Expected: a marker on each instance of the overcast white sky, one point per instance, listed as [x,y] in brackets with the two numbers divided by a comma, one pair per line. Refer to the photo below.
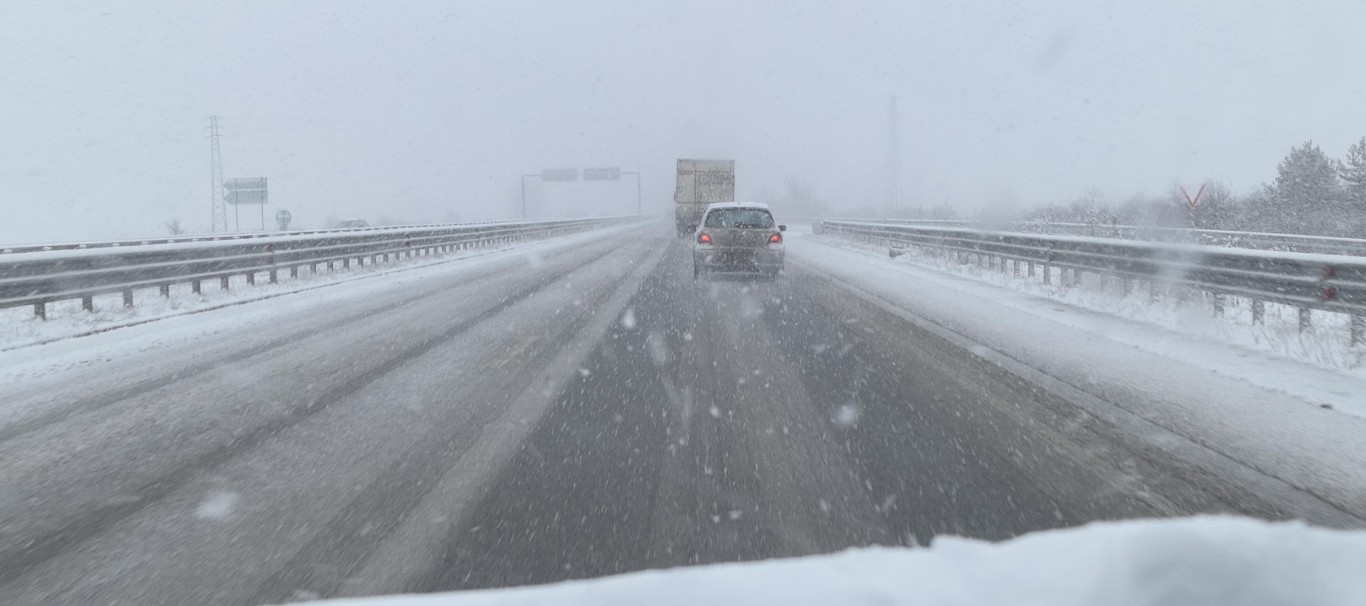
[430,111]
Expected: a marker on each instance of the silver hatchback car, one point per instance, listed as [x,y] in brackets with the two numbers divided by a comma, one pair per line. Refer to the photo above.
[738,237]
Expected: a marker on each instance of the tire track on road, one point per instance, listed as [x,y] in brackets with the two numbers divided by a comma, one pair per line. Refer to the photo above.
[27,426]
[23,554]
[344,544]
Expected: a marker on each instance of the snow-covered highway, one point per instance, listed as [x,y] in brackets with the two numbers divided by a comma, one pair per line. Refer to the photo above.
[582,407]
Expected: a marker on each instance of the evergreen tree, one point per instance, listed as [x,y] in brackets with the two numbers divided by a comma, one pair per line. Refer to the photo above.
[1353,172]
[1307,192]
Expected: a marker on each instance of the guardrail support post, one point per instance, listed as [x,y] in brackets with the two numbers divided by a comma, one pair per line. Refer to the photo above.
[1127,284]
[1258,310]
[166,290]
[40,310]
[293,271]
[1047,274]
[251,278]
[1358,327]
[127,297]
[1305,319]
[195,287]
[346,264]
[1030,266]
[274,276]
[223,282]
[1218,300]
[88,303]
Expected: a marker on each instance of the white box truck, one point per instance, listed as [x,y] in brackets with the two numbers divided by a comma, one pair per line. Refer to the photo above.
[701,182]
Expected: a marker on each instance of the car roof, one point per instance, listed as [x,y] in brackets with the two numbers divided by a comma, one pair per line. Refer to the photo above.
[758,205]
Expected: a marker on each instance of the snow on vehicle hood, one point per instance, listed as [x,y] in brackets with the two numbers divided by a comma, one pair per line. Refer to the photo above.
[1207,561]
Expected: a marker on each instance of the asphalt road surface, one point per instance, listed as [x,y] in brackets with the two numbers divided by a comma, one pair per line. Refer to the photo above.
[542,418]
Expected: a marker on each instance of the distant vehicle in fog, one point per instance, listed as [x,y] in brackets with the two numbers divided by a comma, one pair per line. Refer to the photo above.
[351,223]
[738,237]
[701,182]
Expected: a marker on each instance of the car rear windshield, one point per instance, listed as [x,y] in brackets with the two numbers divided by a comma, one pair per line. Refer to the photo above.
[739,217]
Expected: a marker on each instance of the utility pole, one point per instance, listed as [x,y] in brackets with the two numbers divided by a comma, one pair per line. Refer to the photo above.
[893,159]
[640,210]
[219,208]
[524,178]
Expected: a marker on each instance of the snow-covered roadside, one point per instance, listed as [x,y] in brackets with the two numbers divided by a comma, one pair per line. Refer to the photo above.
[1280,418]
[1208,561]
[1326,343]
[50,361]
[1189,332]
[19,328]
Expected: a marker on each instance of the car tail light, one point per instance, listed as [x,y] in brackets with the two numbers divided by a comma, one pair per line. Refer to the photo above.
[703,239]
[775,239]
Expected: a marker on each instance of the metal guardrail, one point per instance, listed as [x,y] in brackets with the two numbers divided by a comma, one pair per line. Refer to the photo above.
[1209,237]
[39,278]
[25,248]
[1332,283]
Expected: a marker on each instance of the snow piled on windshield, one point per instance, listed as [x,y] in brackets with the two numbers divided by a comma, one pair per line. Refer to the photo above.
[1209,561]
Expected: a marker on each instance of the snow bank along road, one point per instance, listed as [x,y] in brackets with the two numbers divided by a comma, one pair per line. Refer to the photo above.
[570,409]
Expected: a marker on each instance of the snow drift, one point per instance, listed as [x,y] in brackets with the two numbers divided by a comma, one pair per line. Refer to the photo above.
[1207,561]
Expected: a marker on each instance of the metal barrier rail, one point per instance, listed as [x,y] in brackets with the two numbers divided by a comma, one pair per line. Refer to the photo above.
[25,248]
[1332,283]
[39,278]
[1211,237]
